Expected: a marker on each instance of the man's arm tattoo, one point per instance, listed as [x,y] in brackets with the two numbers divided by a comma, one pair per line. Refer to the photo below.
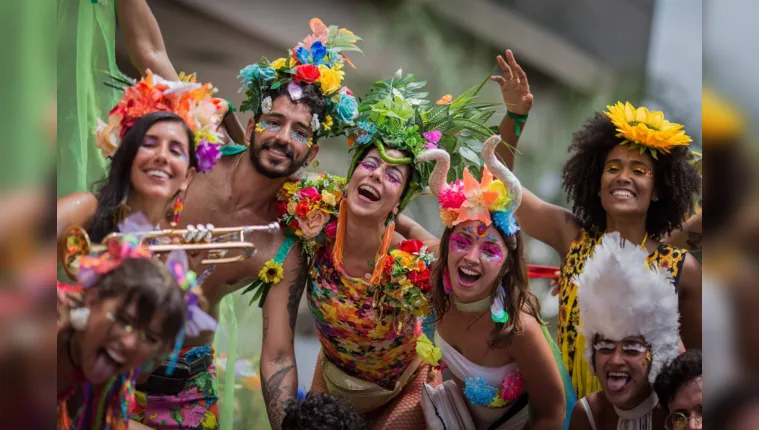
[296,291]
[272,391]
[266,327]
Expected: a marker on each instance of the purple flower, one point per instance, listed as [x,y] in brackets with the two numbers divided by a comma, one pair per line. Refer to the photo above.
[433,136]
[295,90]
[207,154]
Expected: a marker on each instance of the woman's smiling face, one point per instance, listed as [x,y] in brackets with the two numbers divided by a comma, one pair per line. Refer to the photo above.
[476,255]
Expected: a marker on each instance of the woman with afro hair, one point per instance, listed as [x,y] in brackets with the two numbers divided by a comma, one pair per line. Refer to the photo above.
[628,172]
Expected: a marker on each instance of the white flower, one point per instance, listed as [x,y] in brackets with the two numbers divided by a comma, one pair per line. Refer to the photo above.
[315,123]
[266,105]
[107,137]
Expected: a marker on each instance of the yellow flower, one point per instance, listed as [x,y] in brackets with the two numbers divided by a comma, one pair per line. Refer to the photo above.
[208,421]
[498,402]
[277,64]
[327,124]
[330,79]
[329,198]
[207,135]
[338,66]
[272,272]
[293,62]
[259,128]
[646,128]
[346,32]
[503,196]
[291,207]
[427,351]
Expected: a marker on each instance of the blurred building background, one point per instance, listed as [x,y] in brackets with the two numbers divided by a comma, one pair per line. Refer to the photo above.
[579,55]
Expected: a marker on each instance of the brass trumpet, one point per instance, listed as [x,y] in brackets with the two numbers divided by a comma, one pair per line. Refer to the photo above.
[75,243]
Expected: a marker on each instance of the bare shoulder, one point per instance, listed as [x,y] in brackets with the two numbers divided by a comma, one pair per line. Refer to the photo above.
[579,419]
[691,277]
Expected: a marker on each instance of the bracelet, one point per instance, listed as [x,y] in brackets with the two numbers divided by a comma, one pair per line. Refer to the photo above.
[519,120]
[230,110]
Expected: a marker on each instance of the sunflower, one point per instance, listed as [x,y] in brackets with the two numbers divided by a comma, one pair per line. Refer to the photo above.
[272,272]
[646,129]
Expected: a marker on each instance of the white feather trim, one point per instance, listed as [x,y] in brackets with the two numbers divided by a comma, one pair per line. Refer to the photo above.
[620,296]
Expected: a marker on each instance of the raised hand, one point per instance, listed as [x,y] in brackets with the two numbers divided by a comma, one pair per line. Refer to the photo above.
[514,86]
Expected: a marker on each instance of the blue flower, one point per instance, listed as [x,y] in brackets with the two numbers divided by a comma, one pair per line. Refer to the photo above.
[318,52]
[248,74]
[479,392]
[506,222]
[303,55]
[346,109]
[266,75]
[334,57]
[368,129]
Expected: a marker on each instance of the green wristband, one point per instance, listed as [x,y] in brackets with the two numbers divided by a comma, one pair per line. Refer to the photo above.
[230,110]
[519,119]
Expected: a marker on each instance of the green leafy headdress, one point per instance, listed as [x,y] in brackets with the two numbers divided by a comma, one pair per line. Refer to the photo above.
[396,115]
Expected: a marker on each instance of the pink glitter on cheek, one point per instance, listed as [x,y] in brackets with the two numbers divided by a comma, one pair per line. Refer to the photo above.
[459,243]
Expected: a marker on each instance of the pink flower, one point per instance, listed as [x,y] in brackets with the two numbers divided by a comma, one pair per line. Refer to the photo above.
[429,145]
[331,229]
[433,136]
[310,193]
[511,386]
[313,224]
[452,196]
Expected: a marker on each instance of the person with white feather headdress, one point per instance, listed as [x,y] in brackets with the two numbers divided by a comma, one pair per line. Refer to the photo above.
[630,317]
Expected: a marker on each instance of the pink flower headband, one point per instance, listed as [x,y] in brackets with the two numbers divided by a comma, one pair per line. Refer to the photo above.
[487,201]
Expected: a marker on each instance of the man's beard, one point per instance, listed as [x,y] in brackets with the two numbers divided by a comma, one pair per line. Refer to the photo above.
[255,158]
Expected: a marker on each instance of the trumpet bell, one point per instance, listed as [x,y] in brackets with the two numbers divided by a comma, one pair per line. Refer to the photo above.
[74,244]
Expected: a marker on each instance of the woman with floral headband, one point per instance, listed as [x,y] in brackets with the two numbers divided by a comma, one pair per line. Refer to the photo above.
[157,136]
[500,360]
[128,310]
[367,287]
[629,171]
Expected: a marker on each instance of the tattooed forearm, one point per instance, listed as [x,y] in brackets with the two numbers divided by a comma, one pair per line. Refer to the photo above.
[266,327]
[276,393]
[296,291]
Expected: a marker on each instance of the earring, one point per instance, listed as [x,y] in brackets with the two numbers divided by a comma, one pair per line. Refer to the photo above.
[447,287]
[178,206]
[79,318]
[497,310]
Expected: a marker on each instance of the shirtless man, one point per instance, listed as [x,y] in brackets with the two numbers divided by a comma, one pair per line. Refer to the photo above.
[290,117]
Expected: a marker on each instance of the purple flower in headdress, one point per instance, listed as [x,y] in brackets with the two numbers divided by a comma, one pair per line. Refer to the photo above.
[197,320]
[432,137]
[207,154]
[295,90]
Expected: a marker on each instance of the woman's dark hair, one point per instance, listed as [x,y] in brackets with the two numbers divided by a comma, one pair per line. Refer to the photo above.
[110,191]
[731,403]
[514,279]
[312,97]
[676,181]
[322,411]
[676,373]
[149,284]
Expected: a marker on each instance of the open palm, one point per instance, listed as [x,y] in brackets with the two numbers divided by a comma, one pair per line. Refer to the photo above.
[514,86]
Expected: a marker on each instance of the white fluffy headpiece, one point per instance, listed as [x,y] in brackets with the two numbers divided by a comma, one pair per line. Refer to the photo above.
[621,296]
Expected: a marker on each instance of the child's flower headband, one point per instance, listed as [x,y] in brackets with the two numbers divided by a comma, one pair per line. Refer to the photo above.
[488,201]
[190,100]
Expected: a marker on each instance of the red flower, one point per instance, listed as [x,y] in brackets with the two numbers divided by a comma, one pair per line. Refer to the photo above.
[411,246]
[421,280]
[331,229]
[307,73]
[281,208]
[302,209]
[388,269]
[294,224]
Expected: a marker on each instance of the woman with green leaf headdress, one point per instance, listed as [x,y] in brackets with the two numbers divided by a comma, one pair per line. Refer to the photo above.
[368,286]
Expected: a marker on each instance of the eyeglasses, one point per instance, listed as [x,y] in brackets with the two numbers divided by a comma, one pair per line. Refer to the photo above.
[126,325]
[680,421]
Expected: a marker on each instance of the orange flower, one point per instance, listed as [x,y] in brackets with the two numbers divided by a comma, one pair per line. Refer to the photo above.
[445,100]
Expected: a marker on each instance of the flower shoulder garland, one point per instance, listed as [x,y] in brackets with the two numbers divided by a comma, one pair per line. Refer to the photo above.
[307,207]
[646,130]
[188,99]
[405,283]
[319,60]
[396,115]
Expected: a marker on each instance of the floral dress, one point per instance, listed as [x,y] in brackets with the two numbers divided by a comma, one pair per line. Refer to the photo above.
[360,339]
[570,340]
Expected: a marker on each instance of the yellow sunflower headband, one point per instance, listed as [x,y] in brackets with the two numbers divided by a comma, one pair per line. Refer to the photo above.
[646,130]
